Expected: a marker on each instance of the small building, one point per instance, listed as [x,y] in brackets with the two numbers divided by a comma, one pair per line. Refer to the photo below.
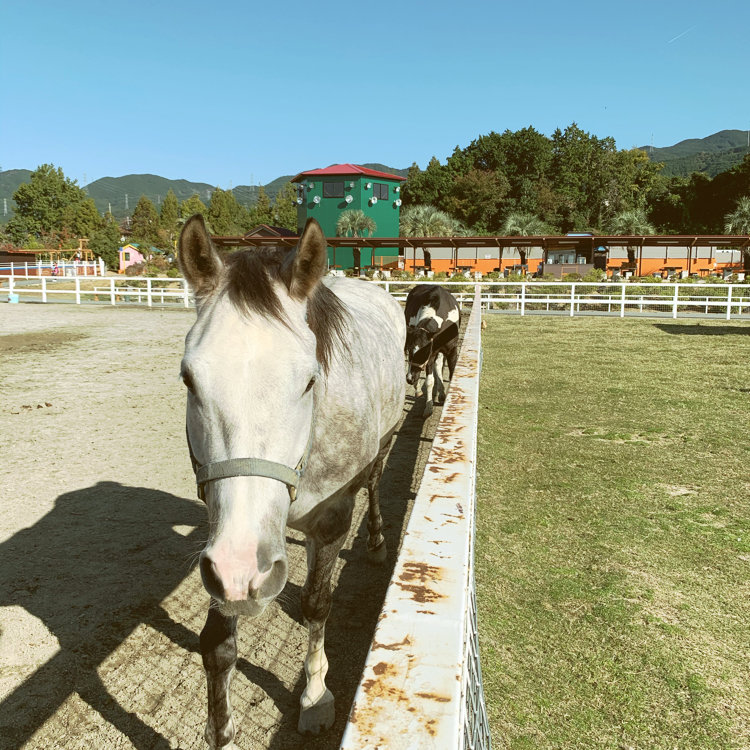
[325,193]
[129,256]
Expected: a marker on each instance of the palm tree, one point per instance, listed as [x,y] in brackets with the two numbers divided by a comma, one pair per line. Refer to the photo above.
[631,222]
[738,222]
[354,223]
[427,221]
[522,224]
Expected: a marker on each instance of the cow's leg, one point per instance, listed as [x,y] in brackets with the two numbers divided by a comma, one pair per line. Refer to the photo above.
[317,711]
[452,357]
[429,384]
[376,548]
[219,652]
[439,386]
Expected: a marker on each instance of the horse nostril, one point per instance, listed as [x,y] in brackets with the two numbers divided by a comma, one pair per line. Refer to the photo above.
[211,581]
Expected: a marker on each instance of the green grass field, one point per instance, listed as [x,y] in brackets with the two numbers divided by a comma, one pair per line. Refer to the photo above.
[613,533]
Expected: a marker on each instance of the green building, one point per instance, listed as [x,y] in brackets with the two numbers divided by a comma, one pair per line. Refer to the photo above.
[324,194]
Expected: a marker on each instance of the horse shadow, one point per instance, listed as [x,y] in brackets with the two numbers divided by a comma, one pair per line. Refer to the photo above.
[111,538]
[358,596]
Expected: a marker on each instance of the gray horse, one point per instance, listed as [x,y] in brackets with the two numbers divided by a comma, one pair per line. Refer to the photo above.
[295,385]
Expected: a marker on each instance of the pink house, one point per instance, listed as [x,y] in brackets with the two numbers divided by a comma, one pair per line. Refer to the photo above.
[129,255]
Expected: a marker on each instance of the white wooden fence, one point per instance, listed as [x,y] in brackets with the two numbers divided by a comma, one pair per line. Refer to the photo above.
[422,683]
[63,268]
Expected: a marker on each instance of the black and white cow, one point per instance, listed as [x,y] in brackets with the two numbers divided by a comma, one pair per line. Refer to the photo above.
[432,317]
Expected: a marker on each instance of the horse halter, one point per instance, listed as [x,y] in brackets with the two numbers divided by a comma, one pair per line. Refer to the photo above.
[251,467]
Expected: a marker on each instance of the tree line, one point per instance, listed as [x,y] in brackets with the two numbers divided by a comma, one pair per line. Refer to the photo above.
[53,212]
[571,182]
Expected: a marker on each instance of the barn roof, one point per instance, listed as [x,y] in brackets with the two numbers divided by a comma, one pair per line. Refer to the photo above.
[347,169]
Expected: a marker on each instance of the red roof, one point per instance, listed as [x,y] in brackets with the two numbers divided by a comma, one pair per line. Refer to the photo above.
[347,169]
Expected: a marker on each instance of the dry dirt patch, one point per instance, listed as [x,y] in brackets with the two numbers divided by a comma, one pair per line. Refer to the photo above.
[100,603]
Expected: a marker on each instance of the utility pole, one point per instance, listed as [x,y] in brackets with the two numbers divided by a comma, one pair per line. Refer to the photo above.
[126,201]
[5,206]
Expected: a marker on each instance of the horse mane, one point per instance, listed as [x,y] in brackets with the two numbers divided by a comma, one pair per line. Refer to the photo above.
[250,283]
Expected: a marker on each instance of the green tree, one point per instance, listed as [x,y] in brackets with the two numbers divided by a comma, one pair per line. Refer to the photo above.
[224,213]
[584,172]
[428,187]
[105,242]
[738,222]
[631,222]
[169,216]
[523,224]
[84,219]
[191,206]
[45,206]
[476,199]
[144,225]
[428,221]
[285,207]
[355,223]
[261,212]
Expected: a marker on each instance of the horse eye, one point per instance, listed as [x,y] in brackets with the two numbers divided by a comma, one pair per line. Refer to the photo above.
[310,385]
[188,381]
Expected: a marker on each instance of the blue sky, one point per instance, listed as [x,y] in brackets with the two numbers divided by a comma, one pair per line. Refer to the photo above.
[233,93]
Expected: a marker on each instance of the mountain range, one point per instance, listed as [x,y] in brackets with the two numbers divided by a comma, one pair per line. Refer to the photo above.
[121,194]
[711,155]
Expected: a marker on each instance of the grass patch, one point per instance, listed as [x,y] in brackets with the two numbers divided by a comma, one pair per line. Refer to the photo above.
[613,535]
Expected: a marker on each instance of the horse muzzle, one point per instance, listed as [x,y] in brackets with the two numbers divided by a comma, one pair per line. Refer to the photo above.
[242,583]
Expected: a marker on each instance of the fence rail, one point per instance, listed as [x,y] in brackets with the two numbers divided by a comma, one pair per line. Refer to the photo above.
[422,683]
[728,301]
[111,290]
[607,298]
[48,268]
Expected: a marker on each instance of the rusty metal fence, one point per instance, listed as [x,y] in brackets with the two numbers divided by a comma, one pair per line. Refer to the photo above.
[422,683]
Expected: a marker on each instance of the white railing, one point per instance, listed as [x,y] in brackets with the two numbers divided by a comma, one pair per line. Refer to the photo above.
[111,290]
[46,268]
[668,299]
[621,299]
[422,684]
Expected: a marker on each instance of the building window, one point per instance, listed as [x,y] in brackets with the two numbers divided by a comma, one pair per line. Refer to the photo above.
[333,189]
[380,191]
[127,257]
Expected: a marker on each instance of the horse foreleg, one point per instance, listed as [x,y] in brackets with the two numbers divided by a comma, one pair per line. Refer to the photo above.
[376,549]
[219,652]
[317,710]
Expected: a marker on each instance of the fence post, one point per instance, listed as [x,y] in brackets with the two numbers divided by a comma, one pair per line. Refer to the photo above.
[729,302]
[44,288]
[148,292]
[10,287]
[523,299]
[572,300]
[622,300]
[26,269]
[112,291]
[185,293]
[78,290]
[675,300]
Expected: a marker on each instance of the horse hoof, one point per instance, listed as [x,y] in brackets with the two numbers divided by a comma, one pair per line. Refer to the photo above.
[378,555]
[319,717]
[427,411]
[213,741]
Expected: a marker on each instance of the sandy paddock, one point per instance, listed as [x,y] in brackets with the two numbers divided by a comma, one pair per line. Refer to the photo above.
[100,602]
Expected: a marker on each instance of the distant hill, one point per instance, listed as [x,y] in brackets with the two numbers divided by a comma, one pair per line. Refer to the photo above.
[121,194]
[711,155]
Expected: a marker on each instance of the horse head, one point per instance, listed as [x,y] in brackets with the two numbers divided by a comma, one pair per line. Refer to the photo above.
[250,367]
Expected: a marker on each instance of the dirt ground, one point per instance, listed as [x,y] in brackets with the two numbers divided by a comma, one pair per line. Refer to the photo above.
[100,600]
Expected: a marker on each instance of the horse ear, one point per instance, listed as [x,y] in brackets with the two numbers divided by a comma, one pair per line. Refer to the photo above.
[305,267]
[198,260]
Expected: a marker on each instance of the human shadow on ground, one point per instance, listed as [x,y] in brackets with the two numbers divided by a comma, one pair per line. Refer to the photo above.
[702,330]
[108,538]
